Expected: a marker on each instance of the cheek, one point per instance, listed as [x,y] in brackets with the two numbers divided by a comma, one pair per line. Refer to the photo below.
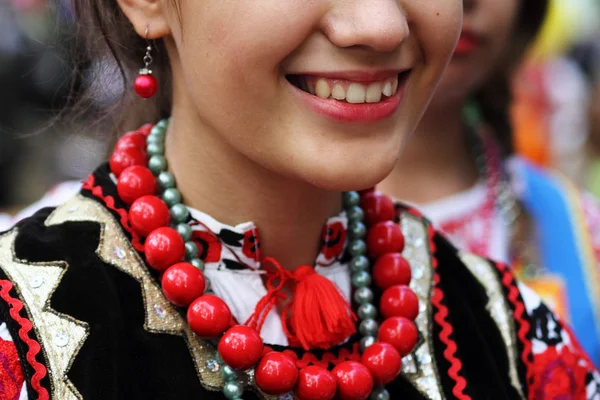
[436,25]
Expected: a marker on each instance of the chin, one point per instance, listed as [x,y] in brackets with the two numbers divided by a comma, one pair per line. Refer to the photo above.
[351,173]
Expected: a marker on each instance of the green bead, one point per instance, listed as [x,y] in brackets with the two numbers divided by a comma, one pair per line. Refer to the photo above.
[171,196]
[379,394]
[367,342]
[219,359]
[233,390]
[166,180]
[229,374]
[357,248]
[158,131]
[361,279]
[367,311]
[163,123]
[359,263]
[368,327]
[198,263]
[355,214]
[208,285]
[154,149]
[157,164]
[179,213]
[351,199]
[357,230]
[184,230]
[191,250]
[155,138]
[363,295]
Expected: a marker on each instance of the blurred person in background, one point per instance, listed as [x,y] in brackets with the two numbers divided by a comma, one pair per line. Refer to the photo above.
[460,169]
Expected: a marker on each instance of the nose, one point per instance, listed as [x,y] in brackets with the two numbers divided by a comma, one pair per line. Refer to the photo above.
[378,25]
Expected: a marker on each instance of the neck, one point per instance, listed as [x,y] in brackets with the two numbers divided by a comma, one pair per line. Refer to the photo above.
[218,180]
[436,161]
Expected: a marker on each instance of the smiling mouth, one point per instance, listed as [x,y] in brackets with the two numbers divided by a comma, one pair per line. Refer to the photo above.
[347,91]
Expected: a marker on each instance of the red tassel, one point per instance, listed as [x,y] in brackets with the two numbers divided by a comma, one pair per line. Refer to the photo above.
[320,316]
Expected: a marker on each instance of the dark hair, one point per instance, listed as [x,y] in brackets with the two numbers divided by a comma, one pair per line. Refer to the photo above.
[106,40]
[495,97]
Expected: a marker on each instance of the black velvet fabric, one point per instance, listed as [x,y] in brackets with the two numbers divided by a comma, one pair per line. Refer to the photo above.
[121,360]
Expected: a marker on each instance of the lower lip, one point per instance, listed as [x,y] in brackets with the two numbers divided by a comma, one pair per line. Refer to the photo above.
[353,113]
[465,46]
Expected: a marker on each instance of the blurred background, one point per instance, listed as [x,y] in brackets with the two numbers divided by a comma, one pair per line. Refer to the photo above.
[556,112]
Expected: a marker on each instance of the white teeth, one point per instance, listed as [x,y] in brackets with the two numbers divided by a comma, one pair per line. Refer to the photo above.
[387,89]
[322,89]
[373,93]
[338,92]
[351,92]
[356,93]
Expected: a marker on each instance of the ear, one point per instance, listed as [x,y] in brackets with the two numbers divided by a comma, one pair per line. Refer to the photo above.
[148,17]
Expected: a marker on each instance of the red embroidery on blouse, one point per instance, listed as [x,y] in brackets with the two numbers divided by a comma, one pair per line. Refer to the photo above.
[209,245]
[11,374]
[514,297]
[447,329]
[34,347]
[558,375]
[251,246]
[333,239]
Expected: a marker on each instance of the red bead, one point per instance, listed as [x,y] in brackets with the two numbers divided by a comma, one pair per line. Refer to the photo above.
[241,347]
[135,182]
[127,157]
[182,283]
[391,269]
[145,85]
[384,362]
[163,248]
[365,191]
[378,208]
[146,129]
[399,301]
[315,383]
[384,237]
[208,316]
[401,333]
[354,381]
[276,373]
[131,139]
[148,213]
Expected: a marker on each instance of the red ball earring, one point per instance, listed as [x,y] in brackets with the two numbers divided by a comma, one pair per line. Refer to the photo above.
[146,85]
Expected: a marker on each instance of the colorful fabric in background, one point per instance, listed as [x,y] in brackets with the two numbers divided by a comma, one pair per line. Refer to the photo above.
[536,99]
[568,233]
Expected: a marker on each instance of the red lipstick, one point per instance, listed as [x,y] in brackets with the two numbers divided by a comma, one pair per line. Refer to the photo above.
[343,111]
[467,44]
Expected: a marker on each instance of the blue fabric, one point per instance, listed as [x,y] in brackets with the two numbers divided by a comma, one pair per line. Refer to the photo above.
[547,201]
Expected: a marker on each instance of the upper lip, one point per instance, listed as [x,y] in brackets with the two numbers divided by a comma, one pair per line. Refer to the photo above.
[357,76]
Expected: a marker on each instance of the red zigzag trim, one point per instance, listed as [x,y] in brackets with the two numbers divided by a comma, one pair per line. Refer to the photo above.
[34,347]
[88,184]
[447,329]
[509,283]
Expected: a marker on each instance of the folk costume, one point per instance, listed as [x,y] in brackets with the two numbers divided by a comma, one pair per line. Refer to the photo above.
[97,302]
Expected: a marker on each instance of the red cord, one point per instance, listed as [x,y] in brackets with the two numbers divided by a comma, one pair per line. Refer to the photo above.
[447,329]
[34,347]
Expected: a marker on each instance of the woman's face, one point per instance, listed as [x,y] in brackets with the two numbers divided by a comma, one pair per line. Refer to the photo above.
[488,27]
[324,91]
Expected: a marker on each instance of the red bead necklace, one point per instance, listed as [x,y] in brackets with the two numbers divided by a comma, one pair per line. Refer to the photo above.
[139,165]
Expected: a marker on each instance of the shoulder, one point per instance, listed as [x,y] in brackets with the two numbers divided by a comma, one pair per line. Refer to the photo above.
[47,263]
